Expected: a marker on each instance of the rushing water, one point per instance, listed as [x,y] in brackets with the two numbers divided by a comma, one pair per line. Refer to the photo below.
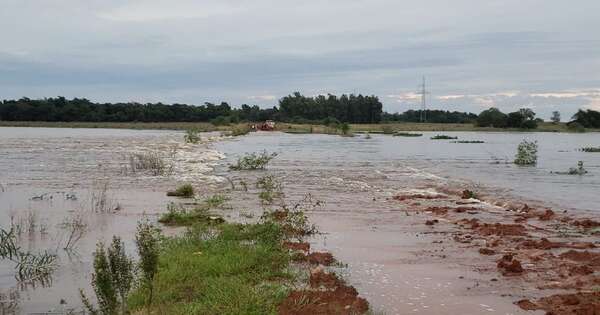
[39,167]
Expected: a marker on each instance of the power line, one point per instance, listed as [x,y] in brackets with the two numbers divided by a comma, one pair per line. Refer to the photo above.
[423,91]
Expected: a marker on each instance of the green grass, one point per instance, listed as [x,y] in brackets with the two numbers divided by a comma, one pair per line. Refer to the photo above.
[242,270]
[468,141]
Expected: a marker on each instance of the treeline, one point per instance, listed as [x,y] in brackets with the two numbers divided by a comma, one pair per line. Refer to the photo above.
[293,108]
[432,116]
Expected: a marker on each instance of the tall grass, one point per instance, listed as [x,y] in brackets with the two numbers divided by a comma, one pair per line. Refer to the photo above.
[253,161]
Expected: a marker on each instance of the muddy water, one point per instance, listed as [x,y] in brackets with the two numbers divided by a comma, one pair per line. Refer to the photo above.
[52,175]
[401,266]
[391,257]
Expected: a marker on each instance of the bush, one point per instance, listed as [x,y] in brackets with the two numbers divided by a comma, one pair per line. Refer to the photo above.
[253,161]
[526,153]
[184,191]
[147,241]
[590,149]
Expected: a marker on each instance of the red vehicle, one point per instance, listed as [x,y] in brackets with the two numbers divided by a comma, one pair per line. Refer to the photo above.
[268,125]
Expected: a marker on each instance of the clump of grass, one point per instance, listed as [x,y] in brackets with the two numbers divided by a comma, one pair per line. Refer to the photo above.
[192,136]
[231,272]
[253,161]
[215,201]
[178,215]
[293,219]
[407,134]
[76,227]
[443,137]
[526,153]
[100,199]
[590,149]
[184,191]
[468,141]
[468,194]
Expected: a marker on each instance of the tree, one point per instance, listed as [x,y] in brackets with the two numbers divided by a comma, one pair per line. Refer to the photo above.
[492,117]
[555,118]
[524,118]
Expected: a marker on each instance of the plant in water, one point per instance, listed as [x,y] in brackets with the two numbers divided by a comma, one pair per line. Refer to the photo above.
[443,137]
[590,149]
[100,200]
[579,170]
[112,279]
[76,227]
[184,191]
[147,240]
[153,162]
[192,136]
[253,161]
[28,266]
[526,153]
[468,141]
[345,129]
[407,134]
[270,187]
[468,194]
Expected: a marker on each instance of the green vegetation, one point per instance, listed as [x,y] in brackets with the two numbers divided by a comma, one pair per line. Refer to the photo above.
[579,170]
[152,162]
[112,279]
[587,118]
[192,136]
[28,266]
[178,215]
[433,116]
[184,191]
[253,161]
[407,134]
[147,240]
[522,119]
[590,149]
[526,153]
[443,137]
[271,188]
[468,141]
[228,269]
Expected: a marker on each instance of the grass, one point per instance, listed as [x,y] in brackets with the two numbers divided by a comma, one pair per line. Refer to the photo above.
[178,215]
[238,269]
[184,191]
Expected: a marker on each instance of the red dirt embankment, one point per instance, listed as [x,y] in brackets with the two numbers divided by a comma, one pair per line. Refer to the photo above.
[547,248]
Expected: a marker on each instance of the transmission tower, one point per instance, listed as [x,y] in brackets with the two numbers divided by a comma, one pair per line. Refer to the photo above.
[423,91]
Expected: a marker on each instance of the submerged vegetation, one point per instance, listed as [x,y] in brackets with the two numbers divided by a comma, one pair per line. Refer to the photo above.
[443,137]
[253,161]
[183,191]
[153,162]
[526,153]
[270,187]
[590,149]
[468,141]
[407,134]
[192,136]
[29,267]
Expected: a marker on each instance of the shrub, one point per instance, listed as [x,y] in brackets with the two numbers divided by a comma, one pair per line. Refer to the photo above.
[180,216]
[468,141]
[579,170]
[184,191]
[253,161]
[526,153]
[271,189]
[112,279]
[147,241]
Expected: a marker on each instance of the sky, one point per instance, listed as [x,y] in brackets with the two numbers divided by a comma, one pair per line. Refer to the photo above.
[541,54]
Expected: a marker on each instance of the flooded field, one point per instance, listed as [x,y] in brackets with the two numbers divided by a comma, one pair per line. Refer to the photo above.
[50,175]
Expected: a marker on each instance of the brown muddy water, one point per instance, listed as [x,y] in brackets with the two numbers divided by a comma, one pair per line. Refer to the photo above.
[395,261]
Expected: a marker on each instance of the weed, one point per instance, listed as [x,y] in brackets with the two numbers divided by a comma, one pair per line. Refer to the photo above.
[28,266]
[76,228]
[253,161]
[100,200]
[184,191]
[526,153]
[468,194]
[215,201]
[468,141]
[178,215]
[192,136]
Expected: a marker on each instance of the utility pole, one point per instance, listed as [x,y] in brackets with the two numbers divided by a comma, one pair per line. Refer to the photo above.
[423,91]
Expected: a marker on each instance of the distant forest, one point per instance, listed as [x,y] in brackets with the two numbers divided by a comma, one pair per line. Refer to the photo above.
[294,108]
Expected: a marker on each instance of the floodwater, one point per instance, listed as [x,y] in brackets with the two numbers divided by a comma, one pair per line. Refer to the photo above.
[41,168]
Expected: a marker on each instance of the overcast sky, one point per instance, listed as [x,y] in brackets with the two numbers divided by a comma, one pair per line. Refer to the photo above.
[542,54]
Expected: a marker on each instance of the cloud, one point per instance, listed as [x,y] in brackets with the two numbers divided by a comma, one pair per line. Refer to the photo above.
[262,97]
